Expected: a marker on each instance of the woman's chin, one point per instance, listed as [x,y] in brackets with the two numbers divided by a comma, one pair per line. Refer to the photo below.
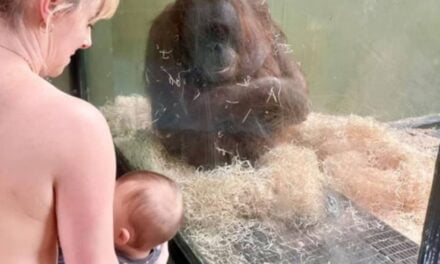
[57,71]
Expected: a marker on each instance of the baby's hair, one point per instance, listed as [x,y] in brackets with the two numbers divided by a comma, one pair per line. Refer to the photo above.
[149,210]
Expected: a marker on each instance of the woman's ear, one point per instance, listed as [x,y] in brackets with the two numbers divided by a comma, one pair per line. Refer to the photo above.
[45,9]
[122,237]
[48,8]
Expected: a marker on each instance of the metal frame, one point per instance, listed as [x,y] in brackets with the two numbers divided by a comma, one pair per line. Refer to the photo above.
[78,74]
[430,247]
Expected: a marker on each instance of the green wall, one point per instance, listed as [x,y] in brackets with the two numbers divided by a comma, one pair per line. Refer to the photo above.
[369,57]
[63,82]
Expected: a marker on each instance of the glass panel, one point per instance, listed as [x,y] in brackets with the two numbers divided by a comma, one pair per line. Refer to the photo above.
[222,110]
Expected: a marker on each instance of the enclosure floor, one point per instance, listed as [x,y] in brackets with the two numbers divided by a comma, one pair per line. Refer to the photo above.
[347,235]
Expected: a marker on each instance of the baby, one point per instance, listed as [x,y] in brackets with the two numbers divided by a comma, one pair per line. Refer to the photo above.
[148,211]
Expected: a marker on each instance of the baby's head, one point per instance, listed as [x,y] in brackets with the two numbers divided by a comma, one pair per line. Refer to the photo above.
[148,211]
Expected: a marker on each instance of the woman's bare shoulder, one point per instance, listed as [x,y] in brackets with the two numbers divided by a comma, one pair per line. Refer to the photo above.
[78,112]
[30,93]
[67,121]
[84,137]
[71,111]
[63,130]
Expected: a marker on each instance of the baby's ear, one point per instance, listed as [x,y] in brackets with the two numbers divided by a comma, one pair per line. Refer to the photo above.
[123,237]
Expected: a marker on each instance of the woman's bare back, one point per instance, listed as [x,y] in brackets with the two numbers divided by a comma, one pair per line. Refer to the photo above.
[43,133]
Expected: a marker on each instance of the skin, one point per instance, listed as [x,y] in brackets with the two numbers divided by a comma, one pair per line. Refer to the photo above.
[123,230]
[56,150]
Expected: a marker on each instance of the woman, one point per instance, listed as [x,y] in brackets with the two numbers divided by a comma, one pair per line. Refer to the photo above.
[57,164]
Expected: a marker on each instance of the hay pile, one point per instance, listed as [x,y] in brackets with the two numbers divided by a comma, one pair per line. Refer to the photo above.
[384,170]
[127,115]
[225,205]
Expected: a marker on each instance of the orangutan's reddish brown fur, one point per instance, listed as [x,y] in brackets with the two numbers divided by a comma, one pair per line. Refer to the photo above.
[221,82]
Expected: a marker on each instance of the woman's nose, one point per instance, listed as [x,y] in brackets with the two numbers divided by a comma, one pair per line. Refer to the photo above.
[87,43]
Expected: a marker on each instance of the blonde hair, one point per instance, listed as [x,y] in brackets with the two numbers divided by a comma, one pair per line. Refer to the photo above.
[154,217]
[108,9]
[14,10]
